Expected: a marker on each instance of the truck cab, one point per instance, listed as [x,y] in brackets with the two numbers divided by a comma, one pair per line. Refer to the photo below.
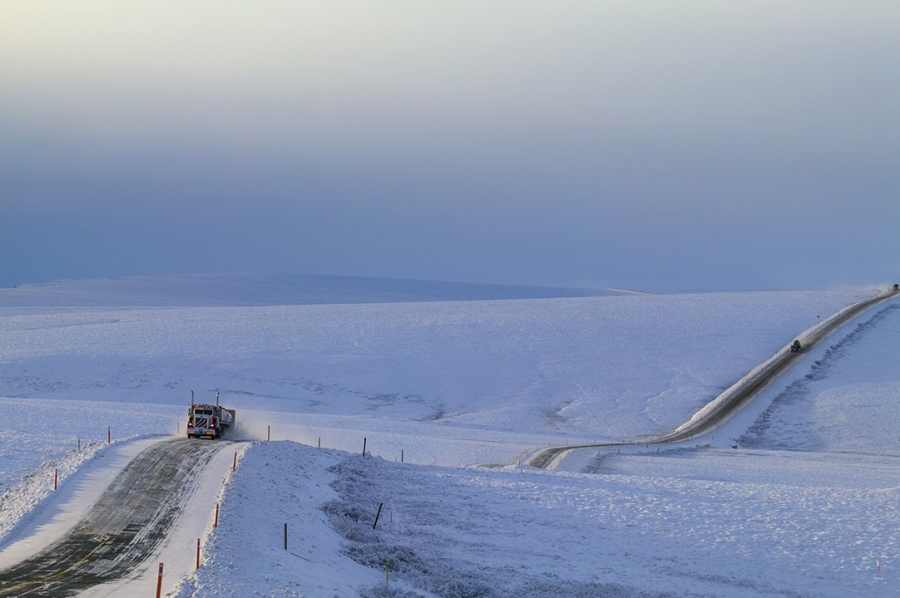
[203,422]
[208,421]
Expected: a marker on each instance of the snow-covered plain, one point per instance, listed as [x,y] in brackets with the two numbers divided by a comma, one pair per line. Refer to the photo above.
[449,377]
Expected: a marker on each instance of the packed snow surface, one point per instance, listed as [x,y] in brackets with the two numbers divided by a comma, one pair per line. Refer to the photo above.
[795,496]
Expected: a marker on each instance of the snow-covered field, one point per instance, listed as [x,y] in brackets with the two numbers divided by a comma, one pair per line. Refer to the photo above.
[450,377]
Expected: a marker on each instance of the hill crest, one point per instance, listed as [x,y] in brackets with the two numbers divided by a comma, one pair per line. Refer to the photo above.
[222,290]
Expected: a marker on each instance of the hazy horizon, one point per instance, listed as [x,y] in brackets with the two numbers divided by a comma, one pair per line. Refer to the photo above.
[677,145]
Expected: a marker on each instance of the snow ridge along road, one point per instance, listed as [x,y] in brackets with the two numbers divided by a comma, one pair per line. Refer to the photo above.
[123,528]
[729,402]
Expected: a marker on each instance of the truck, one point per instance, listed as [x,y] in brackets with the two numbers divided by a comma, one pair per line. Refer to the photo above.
[207,420]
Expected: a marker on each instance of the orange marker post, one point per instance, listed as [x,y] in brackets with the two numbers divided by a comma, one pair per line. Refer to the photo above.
[159,581]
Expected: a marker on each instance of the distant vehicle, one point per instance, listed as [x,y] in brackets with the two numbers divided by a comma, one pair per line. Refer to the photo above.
[208,421]
[796,347]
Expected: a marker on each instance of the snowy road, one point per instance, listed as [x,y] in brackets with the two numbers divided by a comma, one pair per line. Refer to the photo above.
[736,397]
[124,527]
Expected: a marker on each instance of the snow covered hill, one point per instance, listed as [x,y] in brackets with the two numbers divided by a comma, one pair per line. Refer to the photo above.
[440,377]
[267,289]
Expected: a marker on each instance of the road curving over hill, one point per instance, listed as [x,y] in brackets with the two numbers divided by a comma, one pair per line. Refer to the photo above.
[729,402]
[123,529]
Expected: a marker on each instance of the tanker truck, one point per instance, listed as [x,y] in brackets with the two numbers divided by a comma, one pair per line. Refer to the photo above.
[208,421]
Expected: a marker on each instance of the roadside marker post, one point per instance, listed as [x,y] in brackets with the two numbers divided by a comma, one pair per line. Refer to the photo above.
[108,435]
[159,581]
[198,553]
[55,479]
[216,522]
[234,464]
[378,514]
[364,446]
[269,433]
[285,536]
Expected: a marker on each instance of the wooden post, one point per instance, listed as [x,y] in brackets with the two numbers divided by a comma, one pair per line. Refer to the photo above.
[159,581]
[55,479]
[387,571]
[234,465]
[216,522]
[377,515]
[364,447]
[198,553]
[285,536]
[108,435]
[269,433]
[401,455]
[320,442]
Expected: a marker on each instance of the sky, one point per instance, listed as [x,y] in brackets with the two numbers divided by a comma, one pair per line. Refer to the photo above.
[647,145]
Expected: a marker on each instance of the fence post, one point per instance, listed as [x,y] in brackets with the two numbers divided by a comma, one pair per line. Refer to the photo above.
[198,553]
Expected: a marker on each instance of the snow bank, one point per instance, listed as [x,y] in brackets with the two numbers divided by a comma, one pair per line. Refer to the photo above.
[277,484]
[683,524]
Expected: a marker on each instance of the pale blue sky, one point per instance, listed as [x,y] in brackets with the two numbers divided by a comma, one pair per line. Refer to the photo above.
[679,144]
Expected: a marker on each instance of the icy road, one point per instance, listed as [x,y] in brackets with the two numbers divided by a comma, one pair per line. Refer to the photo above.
[123,528]
[735,397]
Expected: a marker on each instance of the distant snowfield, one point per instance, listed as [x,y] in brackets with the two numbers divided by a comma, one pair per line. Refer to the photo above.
[442,377]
